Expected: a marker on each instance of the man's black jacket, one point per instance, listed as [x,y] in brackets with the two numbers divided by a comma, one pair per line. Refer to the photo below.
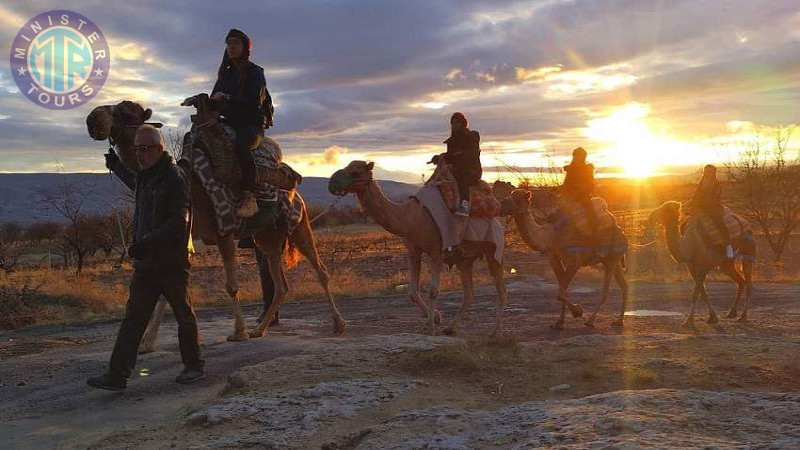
[161,217]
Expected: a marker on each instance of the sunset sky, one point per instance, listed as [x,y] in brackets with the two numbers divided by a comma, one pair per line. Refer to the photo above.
[645,86]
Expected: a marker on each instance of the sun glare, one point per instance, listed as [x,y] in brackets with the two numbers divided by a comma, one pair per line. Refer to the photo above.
[629,143]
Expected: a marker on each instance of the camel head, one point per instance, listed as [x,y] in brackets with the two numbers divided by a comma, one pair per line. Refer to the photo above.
[502,190]
[666,214]
[118,123]
[517,202]
[351,179]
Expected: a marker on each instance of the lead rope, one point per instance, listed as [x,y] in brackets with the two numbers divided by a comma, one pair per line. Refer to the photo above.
[116,211]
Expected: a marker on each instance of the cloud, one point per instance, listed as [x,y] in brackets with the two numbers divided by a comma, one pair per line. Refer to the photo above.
[382,78]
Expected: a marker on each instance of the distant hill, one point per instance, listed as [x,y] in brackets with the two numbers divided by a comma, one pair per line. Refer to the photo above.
[21,194]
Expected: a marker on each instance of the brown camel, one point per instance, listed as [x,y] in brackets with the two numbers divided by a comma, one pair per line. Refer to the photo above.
[118,123]
[565,265]
[692,249]
[411,221]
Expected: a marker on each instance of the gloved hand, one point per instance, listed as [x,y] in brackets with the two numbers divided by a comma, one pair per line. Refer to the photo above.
[137,251]
[111,159]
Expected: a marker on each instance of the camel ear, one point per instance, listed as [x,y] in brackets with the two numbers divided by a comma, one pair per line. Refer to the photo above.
[528,195]
[147,113]
[370,166]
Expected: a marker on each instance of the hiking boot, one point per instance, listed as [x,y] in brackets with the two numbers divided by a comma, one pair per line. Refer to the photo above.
[190,375]
[249,206]
[463,209]
[108,383]
[729,251]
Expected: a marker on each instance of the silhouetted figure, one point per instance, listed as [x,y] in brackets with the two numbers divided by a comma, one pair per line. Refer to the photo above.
[707,199]
[579,185]
[464,155]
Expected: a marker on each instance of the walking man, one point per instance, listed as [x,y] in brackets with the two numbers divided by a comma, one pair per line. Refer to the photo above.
[160,259]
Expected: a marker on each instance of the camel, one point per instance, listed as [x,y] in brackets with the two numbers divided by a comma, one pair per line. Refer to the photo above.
[410,221]
[688,246]
[118,123]
[565,264]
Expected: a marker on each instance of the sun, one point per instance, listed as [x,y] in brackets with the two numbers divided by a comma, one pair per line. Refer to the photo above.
[628,141]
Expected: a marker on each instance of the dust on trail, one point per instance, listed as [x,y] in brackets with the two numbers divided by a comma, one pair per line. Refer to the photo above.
[651,383]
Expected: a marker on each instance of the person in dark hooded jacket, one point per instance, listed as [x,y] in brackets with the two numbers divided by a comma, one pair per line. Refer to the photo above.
[245,104]
[707,198]
[464,154]
[579,185]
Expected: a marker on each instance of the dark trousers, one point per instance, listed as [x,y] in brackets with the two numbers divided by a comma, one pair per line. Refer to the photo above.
[145,289]
[246,138]
[466,178]
[267,286]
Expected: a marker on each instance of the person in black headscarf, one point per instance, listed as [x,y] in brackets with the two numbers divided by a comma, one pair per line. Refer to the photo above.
[241,95]
[707,199]
[579,184]
[464,154]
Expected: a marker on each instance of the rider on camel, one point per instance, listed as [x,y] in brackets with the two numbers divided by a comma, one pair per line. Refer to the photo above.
[241,95]
[707,198]
[579,184]
[464,154]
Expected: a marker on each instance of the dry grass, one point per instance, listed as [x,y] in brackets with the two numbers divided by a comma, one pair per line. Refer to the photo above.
[363,260]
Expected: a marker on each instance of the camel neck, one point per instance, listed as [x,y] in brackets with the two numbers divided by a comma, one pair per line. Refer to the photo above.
[673,237]
[394,217]
[533,234]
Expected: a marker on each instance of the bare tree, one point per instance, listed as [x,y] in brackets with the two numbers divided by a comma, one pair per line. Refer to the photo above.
[12,246]
[78,237]
[766,186]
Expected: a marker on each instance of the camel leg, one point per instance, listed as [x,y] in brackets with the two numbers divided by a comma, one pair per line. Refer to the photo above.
[148,344]
[496,269]
[304,239]
[603,296]
[712,315]
[619,275]
[227,249]
[436,264]
[747,269]
[275,260]
[465,268]
[689,322]
[414,271]
[558,271]
[731,271]
[563,296]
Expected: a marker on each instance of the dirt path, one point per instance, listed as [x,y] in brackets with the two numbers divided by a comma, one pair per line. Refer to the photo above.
[381,387]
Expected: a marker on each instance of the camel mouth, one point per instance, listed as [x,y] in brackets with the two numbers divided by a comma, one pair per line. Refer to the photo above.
[340,182]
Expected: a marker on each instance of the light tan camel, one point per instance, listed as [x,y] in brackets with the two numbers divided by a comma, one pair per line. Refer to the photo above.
[410,221]
[119,123]
[692,249]
[565,265]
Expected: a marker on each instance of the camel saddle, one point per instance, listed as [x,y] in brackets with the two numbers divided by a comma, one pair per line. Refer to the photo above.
[736,226]
[573,213]
[483,204]
[217,140]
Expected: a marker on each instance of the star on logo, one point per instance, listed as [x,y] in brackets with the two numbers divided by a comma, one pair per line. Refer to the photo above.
[98,72]
[21,71]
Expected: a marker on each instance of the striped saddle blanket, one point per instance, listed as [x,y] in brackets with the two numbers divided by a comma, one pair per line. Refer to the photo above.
[226,200]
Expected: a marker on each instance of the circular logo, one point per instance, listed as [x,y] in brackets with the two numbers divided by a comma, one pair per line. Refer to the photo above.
[60,59]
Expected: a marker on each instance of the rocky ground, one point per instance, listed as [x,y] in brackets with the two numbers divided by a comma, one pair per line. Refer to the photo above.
[652,383]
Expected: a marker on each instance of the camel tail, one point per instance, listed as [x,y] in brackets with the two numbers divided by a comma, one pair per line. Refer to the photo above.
[291,255]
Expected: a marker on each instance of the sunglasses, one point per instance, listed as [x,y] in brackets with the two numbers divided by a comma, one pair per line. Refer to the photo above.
[143,148]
